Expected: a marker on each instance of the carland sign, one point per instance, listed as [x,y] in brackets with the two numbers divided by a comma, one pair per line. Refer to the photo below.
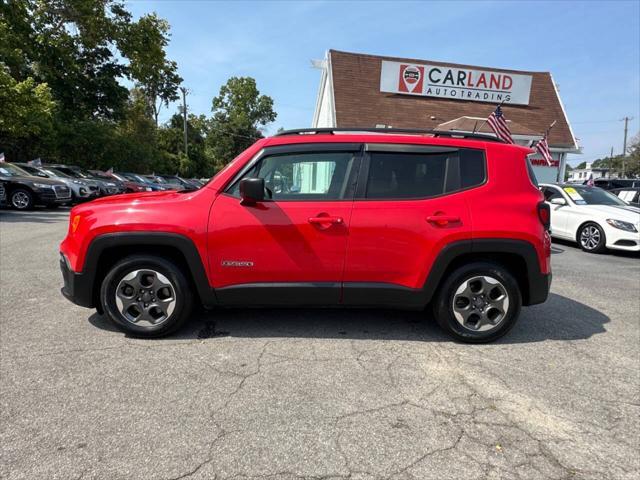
[455,83]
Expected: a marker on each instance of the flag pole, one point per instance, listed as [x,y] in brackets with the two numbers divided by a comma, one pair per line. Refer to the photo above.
[485,120]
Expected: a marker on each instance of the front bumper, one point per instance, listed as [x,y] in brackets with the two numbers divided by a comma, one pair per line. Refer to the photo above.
[76,288]
[50,196]
[622,240]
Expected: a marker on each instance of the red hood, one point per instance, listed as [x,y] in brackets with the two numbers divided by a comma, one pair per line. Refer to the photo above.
[139,196]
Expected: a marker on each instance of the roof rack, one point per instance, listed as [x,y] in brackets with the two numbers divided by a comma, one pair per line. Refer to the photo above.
[411,131]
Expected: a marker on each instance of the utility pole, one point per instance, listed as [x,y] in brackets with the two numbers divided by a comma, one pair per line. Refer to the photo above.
[610,163]
[184,119]
[624,148]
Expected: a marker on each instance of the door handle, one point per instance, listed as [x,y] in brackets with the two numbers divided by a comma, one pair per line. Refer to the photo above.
[442,220]
[327,219]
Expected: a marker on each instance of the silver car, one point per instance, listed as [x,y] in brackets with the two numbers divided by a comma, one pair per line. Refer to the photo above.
[80,189]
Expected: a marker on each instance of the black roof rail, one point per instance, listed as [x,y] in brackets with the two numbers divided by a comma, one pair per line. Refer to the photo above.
[411,131]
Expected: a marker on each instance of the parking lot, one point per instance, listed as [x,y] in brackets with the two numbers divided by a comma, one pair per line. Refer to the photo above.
[316,394]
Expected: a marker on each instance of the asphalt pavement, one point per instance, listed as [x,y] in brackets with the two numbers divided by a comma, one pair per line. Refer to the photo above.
[316,394]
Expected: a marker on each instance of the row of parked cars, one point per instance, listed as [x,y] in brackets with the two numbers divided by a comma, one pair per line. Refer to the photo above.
[22,186]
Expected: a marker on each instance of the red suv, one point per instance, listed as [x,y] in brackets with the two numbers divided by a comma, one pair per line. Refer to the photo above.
[325,217]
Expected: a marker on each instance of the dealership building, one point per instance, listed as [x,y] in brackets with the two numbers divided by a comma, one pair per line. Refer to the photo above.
[358,90]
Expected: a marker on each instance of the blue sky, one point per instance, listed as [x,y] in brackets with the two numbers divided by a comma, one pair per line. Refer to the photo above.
[591,48]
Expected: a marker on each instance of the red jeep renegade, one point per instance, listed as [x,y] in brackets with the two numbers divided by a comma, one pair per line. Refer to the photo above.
[325,217]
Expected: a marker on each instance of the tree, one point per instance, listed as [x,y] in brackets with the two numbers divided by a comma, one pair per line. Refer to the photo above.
[27,112]
[238,113]
[632,162]
[144,44]
[171,140]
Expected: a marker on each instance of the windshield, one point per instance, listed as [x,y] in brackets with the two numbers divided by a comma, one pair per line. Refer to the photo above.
[83,173]
[135,178]
[119,176]
[32,170]
[68,172]
[592,196]
[8,170]
[55,173]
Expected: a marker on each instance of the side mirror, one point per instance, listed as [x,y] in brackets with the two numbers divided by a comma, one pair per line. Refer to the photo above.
[558,201]
[251,190]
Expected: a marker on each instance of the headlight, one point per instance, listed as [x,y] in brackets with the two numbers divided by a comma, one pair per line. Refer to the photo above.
[109,184]
[79,182]
[629,227]
[42,185]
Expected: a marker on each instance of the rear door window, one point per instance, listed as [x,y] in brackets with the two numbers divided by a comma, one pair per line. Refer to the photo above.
[409,175]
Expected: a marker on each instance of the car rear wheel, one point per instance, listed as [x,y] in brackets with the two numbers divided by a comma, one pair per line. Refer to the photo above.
[478,303]
[21,199]
[591,238]
[146,296]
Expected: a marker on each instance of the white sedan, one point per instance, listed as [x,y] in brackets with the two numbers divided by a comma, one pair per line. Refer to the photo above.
[592,217]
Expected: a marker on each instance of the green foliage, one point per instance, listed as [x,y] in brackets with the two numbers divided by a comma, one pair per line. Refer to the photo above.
[144,44]
[238,112]
[27,107]
[61,67]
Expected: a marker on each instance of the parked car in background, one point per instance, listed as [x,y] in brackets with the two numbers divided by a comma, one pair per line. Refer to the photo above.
[158,180]
[372,220]
[108,186]
[179,182]
[196,181]
[75,172]
[80,189]
[592,217]
[129,186]
[142,180]
[170,180]
[3,194]
[613,183]
[23,191]
[629,195]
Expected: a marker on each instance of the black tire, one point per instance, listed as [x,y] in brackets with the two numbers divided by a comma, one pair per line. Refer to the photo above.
[443,304]
[21,199]
[182,293]
[591,231]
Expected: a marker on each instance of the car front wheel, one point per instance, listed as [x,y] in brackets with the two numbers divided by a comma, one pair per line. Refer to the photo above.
[591,238]
[146,296]
[478,303]
[21,199]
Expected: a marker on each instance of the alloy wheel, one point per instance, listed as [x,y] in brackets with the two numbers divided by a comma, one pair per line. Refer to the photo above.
[590,237]
[20,200]
[480,303]
[145,297]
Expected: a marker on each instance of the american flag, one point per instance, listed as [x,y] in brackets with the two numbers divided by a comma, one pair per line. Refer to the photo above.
[590,181]
[499,125]
[542,147]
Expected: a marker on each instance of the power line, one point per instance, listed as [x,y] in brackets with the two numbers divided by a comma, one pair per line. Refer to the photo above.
[595,121]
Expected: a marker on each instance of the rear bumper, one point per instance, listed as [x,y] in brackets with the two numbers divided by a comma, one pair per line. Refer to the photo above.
[539,286]
[77,288]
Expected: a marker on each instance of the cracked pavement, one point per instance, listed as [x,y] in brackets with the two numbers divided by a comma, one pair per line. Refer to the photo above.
[316,394]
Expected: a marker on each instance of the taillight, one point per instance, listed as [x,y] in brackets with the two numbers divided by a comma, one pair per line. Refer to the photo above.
[544,214]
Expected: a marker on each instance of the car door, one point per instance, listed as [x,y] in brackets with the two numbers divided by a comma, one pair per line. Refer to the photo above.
[559,213]
[290,248]
[410,204]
